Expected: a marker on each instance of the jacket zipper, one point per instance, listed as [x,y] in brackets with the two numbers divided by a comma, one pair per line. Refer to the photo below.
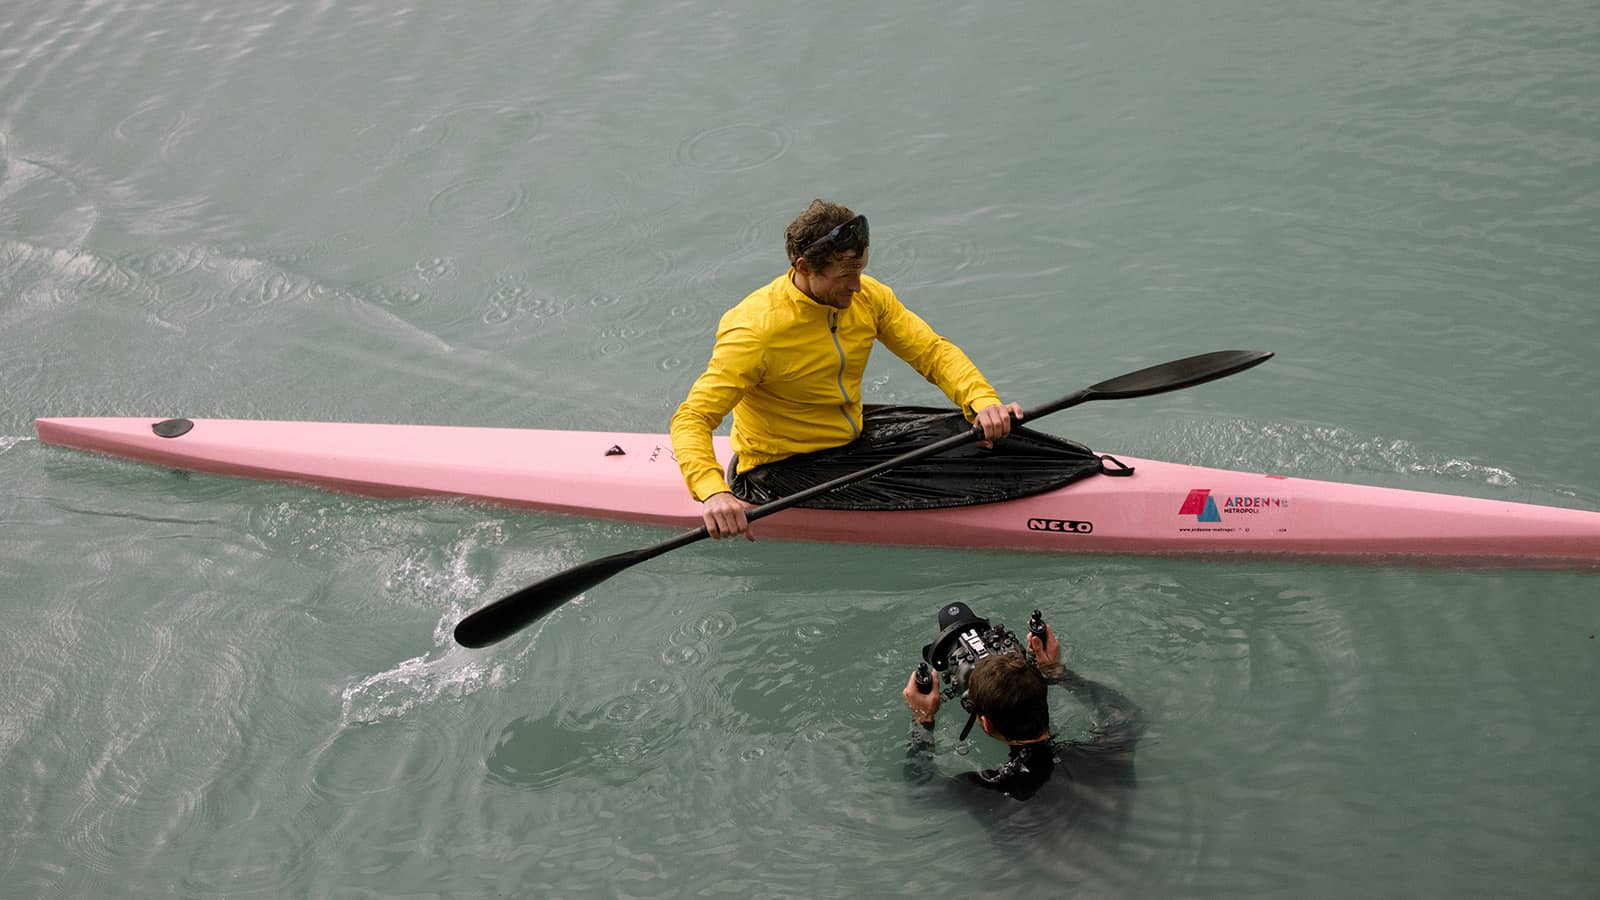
[844,408]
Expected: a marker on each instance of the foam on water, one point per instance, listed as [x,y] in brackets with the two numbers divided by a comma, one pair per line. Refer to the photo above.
[1311,451]
[451,672]
[420,680]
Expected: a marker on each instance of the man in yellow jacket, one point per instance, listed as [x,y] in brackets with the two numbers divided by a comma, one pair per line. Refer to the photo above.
[788,362]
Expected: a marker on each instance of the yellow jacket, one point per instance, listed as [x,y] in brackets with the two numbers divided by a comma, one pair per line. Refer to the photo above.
[789,368]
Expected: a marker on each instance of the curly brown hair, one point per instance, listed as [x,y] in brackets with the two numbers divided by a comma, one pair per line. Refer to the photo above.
[816,220]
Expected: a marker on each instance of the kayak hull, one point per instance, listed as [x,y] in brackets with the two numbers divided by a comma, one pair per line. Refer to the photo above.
[1162,508]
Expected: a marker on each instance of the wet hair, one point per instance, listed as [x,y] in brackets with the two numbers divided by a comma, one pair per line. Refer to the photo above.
[1011,693]
[813,222]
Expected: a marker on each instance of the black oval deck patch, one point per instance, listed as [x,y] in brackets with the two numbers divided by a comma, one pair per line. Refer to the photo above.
[171,428]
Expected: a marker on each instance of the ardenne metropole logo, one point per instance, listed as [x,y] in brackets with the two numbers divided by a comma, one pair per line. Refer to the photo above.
[1203,506]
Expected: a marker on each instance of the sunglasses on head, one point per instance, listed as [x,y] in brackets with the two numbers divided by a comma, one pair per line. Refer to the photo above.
[845,237]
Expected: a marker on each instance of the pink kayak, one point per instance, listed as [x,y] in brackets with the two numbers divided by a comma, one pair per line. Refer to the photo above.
[1163,508]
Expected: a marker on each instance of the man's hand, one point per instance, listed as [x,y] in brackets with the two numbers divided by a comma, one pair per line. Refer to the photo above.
[923,706]
[1046,653]
[996,421]
[723,514]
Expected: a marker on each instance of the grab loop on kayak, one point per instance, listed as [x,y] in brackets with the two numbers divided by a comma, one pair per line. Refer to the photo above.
[1122,468]
[616,450]
[171,428]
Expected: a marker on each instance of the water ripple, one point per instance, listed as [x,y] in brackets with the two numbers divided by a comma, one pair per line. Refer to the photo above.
[499,124]
[145,790]
[476,202]
[257,857]
[513,300]
[923,257]
[615,729]
[43,202]
[733,148]
[154,122]
[377,757]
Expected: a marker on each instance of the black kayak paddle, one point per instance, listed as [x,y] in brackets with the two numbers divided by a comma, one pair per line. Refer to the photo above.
[510,614]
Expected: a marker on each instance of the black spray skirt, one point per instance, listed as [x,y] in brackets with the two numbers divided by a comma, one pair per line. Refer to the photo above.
[1025,463]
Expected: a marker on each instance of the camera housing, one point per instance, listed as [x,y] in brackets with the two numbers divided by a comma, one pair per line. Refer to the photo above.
[966,638]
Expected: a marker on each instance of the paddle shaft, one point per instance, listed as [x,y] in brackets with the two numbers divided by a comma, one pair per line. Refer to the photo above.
[510,614]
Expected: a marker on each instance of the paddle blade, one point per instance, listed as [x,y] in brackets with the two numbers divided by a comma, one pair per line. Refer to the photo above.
[514,612]
[1180,373]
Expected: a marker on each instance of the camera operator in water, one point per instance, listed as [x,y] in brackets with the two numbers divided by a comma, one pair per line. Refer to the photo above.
[1005,690]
